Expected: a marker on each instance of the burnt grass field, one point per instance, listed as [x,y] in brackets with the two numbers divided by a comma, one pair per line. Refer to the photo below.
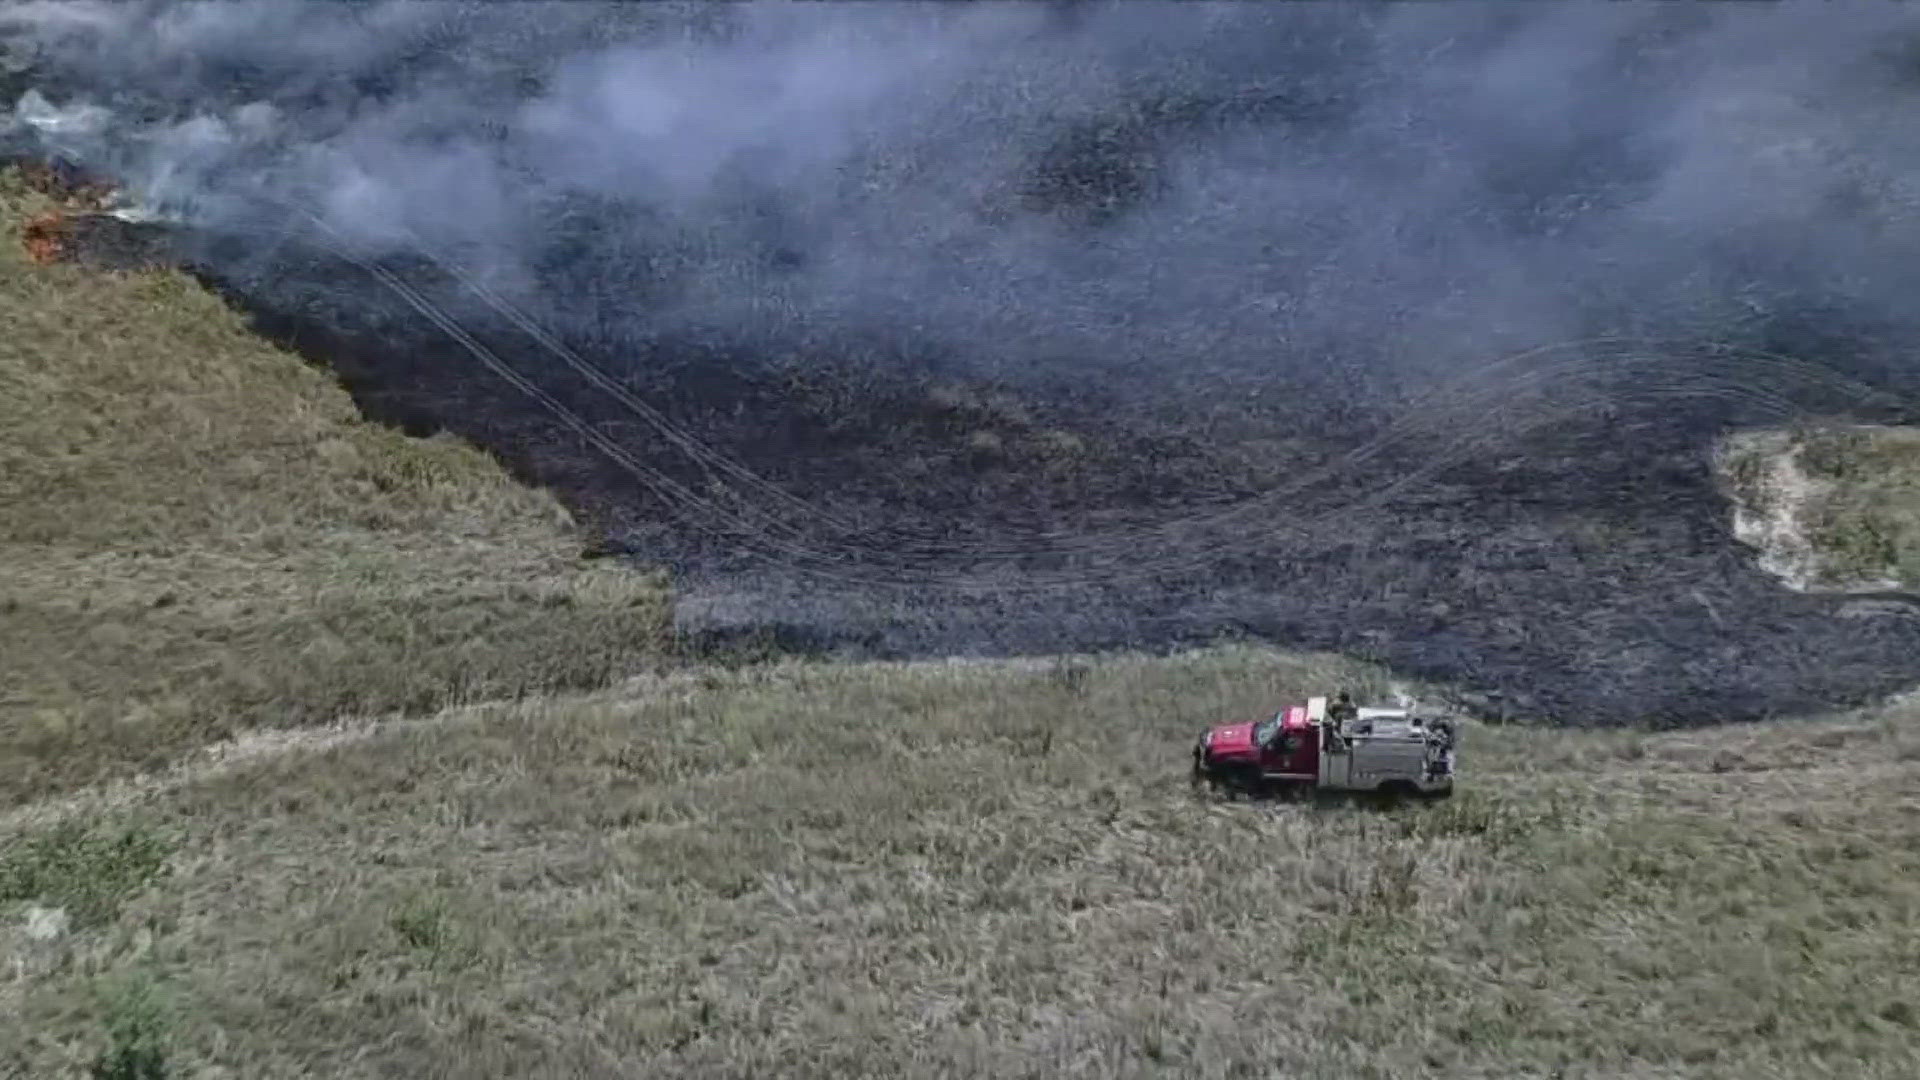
[1102,327]
[1551,540]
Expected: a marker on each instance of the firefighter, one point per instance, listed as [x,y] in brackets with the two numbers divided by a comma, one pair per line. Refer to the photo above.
[1342,710]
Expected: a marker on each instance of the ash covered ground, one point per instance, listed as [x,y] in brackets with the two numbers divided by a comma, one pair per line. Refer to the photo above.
[985,329]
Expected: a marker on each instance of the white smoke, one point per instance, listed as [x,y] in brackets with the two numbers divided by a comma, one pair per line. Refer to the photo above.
[1409,184]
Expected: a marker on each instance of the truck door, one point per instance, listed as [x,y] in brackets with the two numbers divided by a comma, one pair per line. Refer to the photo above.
[1293,752]
[1336,759]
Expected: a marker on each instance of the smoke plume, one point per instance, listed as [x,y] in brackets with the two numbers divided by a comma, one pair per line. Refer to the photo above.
[1194,209]
[1132,189]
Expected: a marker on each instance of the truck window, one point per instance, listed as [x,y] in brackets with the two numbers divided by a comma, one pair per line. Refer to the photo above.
[1263,731]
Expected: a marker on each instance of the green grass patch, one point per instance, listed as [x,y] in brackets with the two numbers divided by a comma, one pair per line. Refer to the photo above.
[139,1032]
[86,869]
[1839,504]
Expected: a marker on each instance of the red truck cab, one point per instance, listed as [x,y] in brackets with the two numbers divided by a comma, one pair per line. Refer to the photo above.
[1285,747]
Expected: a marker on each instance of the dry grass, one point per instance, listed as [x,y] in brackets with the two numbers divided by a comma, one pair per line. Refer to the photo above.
[998,870]
[201,535]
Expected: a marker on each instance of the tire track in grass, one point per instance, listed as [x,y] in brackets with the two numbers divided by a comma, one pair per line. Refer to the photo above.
[252,747]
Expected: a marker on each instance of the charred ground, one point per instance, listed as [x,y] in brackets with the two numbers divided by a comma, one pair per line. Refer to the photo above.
[1570,558]
[1122,330]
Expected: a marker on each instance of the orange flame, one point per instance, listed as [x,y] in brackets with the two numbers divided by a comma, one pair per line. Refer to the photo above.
[45,237]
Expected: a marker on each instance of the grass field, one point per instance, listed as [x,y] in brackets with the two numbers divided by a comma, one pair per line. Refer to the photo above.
[979,870]
[201,536]
[388,836]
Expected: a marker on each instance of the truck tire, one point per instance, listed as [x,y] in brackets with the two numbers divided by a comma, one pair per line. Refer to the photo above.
[1243,781]
[1396,791]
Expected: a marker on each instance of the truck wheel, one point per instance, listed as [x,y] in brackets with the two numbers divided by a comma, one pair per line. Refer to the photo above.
[1394,792]
[1244,781]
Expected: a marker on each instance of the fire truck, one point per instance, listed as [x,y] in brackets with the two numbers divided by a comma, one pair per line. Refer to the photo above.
[1391,751]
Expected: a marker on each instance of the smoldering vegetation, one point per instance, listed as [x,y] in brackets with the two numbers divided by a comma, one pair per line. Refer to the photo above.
[1401,331]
